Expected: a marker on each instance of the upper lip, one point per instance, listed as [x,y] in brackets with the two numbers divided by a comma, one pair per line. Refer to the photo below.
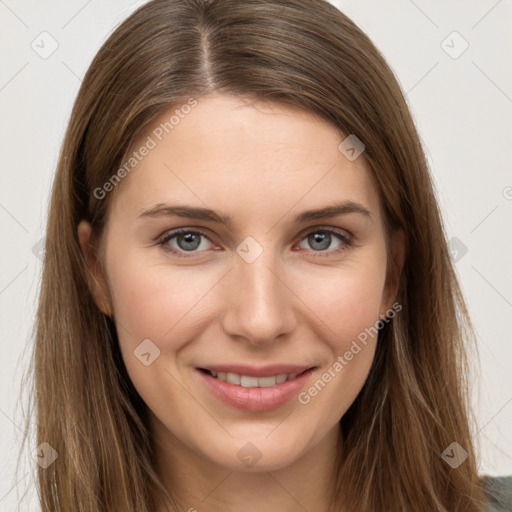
[257,371]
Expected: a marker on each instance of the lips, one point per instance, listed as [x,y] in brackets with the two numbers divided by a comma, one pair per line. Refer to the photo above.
[252,388]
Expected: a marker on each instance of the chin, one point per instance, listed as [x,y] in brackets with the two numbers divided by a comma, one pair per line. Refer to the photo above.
[257,453]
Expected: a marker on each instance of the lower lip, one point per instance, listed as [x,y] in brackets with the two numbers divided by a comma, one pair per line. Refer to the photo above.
[255,399]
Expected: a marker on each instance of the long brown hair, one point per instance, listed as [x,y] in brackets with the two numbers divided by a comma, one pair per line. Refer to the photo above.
[415,402]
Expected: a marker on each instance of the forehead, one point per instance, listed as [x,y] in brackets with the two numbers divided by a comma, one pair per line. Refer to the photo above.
[249,157]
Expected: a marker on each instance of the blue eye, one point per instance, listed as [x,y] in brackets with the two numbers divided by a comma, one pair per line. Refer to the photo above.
[189,240]
[322,238]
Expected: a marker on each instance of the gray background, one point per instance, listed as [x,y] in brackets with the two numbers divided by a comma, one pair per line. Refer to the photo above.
[462,104]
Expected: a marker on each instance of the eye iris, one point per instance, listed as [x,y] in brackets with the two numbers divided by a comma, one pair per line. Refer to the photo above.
[189,238]
[322,237]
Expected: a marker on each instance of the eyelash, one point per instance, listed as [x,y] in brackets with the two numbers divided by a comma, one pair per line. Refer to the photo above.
[347,241]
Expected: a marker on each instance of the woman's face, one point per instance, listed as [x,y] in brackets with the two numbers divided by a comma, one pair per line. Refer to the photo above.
[271,293]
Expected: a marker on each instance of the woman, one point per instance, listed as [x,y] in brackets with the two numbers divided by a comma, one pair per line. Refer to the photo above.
[195,349]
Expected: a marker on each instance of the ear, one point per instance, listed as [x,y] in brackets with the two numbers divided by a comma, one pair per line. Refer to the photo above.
[95,276]
[394,269]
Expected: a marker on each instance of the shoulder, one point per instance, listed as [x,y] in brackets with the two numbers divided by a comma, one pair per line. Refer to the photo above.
[498,490]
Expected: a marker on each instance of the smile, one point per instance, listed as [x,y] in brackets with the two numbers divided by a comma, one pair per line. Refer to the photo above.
[255,393]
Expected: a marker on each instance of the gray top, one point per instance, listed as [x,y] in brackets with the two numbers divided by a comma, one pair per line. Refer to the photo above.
[499,493]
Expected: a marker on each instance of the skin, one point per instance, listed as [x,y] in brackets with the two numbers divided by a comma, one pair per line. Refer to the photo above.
[298,302]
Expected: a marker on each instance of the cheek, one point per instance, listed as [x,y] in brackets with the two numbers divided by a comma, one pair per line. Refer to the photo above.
[350,302]
[350,315]
[154,299]
[347,299]
[157,303]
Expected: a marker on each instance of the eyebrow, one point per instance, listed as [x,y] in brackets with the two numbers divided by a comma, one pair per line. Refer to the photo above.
[205,214]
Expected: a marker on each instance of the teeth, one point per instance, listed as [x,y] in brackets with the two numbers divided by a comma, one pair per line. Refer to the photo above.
[233,378]
[247,381]
[264,382]
[281,378]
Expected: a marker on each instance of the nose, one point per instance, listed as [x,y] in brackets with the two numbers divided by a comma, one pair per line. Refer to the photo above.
[260,306]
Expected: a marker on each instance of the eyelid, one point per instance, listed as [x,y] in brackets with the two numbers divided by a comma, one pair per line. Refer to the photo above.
[344,233]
